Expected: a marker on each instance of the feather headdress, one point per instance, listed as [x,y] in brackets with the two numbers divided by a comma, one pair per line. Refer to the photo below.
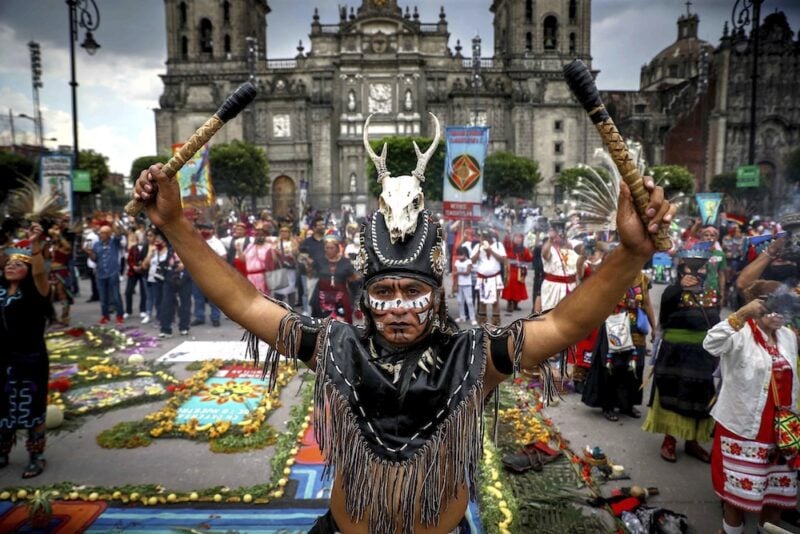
[30,203]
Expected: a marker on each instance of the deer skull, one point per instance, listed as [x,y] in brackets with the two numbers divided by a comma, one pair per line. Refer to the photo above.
[402,198]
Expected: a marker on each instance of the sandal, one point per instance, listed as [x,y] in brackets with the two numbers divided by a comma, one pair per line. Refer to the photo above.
[611,416]
[523,461]
[34,468]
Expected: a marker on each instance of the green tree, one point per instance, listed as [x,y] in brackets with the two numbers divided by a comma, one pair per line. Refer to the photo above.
[743,200]
[144,162]
[401,160]
[508,175]
[13,169]
[239,170]
[675,179]
[97,165]
[793,166]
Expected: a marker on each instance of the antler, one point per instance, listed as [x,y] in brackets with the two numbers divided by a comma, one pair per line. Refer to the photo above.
[422,159]
[380,162]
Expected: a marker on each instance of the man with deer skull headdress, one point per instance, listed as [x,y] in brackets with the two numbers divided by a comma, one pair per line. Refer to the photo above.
[399,403]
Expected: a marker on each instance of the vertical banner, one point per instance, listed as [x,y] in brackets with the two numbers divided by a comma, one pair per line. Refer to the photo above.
[55,177]
[709,206]
[195,178]
[463,171]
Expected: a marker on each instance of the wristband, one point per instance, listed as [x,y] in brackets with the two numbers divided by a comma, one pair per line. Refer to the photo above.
[735,321]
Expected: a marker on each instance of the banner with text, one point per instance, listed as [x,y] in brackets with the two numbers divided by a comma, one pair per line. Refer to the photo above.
[709,206]
[195,178]
[55,177]
[463,171]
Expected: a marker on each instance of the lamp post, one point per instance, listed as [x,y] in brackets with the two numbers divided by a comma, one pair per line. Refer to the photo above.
[476,72]
[740,18]
[84,14]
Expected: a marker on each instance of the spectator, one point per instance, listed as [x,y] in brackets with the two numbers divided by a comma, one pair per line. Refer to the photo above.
[287,249]
[311,252]
[137,275]
[207,231]
[154,265]
[177,292]
[259,257]
[462,286]
[331,296]
[106,254]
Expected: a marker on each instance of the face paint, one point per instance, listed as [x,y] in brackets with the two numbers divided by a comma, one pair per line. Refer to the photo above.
[410,304]
[423,317]
[379,326]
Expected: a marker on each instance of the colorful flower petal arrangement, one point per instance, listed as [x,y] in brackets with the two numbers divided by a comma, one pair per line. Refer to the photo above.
[247,431]
[85,378]
[286,448]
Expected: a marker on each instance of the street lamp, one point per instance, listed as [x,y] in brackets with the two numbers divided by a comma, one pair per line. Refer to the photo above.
[476,73]
[740,18]
[90,21]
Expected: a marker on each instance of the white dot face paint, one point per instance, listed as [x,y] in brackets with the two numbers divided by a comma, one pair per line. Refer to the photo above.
[417,303]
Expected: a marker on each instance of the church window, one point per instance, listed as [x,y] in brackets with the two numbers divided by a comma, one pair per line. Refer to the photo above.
[550,33]
[227,44]
[572,43]
[182,14]
[184,47]
[573,10]
[529,41]
[206,39]
[226,11]
[558,126]
[557,169]
[640,108]
[528,11]
[558,148]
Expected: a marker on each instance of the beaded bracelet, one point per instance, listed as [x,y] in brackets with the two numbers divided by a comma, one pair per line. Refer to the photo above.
[735,321]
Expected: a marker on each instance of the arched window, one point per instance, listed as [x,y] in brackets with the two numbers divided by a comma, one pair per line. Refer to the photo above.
[226,11]
[182,14]
[572,43]
[227,44]
[550,33]
[184,47]
[528,11]
[529,41]
[206,36]
[573,10]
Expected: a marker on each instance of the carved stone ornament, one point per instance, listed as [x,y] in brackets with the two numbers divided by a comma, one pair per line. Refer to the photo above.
[281,126]
[379,43]
[380,98]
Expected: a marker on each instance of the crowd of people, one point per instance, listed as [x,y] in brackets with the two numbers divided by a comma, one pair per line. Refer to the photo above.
[700,363]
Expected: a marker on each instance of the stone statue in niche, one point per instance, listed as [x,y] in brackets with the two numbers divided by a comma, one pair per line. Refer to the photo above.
[408,101]
[281,126]
[351,100]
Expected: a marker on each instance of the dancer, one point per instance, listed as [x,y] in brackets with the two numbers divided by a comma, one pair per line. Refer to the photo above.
[684,386]
[487,260]
[399,404]
[758,360]
[331,296]
[563,269]
[59,253]
[25,310]
[518,259]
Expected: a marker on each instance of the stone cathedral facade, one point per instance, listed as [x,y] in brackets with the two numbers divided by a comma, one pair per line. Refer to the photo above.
[380,58]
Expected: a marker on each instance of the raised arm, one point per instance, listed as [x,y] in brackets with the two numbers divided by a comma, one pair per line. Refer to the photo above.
[38,268]
[590,304]
[755,268]
[220,283]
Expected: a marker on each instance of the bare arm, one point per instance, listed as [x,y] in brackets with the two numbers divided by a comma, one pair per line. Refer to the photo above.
[546,249]
[756,268]
[38,269]
[220,283]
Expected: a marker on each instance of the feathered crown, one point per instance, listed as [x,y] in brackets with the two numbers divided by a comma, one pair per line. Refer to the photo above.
[29,203]
[20,250]
[701,250]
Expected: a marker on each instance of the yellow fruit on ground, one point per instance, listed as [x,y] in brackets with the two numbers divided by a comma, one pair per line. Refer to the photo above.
[293,451]
[5,496]
[217,498]
[21,494]
[116,495]
[287,471]
[93,496]
[172,497]
[193,496]
[282,482]
[134,496]
[247,498]
[290,462]
[73,495]
[278,494]
[152,501]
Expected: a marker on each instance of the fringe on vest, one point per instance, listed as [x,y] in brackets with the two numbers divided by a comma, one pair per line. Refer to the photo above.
[448,461]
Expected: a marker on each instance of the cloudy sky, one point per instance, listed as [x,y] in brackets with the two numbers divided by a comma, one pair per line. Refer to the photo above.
[119,86]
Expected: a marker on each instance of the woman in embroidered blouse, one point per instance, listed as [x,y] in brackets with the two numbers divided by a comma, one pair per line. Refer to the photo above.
[25,310]
[755,348]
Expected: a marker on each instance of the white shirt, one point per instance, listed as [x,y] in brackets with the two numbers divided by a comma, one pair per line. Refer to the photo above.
[486,264]
[159,256]
[746,369]
[462,268]
[217,246]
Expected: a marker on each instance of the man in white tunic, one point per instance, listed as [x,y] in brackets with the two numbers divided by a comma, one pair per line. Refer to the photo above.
[563,269]
[488,258]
